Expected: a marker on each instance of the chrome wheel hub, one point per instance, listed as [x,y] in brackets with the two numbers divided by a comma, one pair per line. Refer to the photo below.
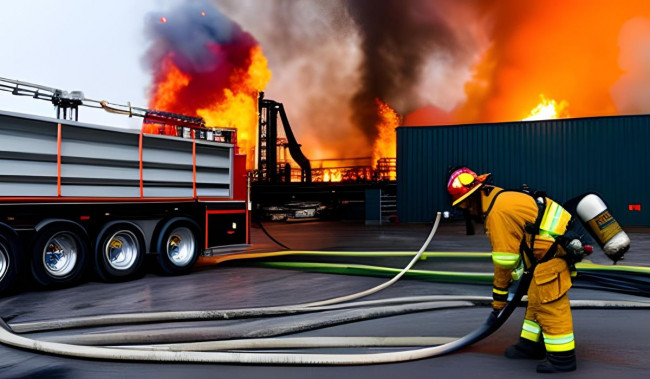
[60,254]
[181,246]
[4,261]
[121,250]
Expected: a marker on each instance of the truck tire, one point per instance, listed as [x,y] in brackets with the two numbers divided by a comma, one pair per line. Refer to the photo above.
[59,254]
[119,252]
[177,247]
[9,261]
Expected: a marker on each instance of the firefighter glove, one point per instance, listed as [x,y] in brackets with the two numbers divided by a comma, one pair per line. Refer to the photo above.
[518,271]
[498,305]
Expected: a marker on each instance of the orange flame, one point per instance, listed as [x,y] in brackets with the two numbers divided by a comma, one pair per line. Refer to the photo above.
[548,109]
[238,108]
[332,175]
[346,174]
[385,145]
[235,108]
[165,94]
[550,47]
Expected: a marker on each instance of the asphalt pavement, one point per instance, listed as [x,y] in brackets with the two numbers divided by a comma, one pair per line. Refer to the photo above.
[609,342]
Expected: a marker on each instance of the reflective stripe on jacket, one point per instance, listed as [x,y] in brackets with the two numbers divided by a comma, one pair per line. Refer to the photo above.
[506,215]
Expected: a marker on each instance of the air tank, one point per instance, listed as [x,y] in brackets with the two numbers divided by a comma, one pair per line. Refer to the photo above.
[597,219]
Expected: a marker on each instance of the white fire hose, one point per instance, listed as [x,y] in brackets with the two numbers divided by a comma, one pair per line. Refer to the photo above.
[192,352]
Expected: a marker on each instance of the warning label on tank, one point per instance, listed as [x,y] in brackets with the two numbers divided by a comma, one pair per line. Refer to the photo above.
[603,220]
[605,226]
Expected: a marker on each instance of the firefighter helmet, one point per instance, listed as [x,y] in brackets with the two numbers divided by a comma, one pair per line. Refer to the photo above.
[464,182]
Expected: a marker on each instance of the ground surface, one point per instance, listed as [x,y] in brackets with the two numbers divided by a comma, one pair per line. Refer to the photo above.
[609,342]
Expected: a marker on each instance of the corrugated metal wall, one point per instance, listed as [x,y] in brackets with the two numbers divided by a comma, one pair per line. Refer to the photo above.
[565,157]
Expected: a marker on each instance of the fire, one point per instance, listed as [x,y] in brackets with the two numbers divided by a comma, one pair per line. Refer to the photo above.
[174,80]
[238,107]
[345,174]
[332,175]
[206,65]
[508,52]
[548,109]
[165,96]
[385,145]
[550,47]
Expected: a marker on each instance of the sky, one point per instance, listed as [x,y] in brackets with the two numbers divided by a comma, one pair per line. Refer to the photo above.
[92,46]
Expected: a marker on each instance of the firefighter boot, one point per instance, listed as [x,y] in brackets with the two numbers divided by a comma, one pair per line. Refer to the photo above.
[558,362]
[526,349]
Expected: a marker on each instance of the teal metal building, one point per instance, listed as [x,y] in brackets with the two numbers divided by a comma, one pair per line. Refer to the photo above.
[564,157]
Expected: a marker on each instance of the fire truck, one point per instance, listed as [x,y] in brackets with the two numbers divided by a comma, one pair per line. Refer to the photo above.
[77,198]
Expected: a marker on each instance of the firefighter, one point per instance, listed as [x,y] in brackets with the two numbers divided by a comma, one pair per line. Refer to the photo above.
[524,231]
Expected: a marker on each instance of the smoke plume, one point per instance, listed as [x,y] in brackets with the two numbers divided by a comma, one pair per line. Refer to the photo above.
[205,47]
[631,92]
[396,38]
[434,62]
[332,60]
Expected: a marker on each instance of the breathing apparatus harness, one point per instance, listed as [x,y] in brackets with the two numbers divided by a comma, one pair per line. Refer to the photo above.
[570,241]
[575,250]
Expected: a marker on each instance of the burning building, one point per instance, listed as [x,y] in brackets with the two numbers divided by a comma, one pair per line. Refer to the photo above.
[445,62]
[352,71]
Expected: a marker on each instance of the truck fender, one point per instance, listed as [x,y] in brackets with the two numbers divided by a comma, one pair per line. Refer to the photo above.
[51,221]
[10,233]
[8,230]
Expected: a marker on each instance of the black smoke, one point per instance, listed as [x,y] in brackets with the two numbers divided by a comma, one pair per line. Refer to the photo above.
[204,44]
[332,58]
[397,36]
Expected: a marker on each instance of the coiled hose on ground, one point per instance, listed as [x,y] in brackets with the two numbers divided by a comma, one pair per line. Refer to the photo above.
[193,352]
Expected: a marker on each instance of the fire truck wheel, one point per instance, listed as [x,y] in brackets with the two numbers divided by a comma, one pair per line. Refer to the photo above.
[59,254]
[9,260]
[177,247]
[119,252]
